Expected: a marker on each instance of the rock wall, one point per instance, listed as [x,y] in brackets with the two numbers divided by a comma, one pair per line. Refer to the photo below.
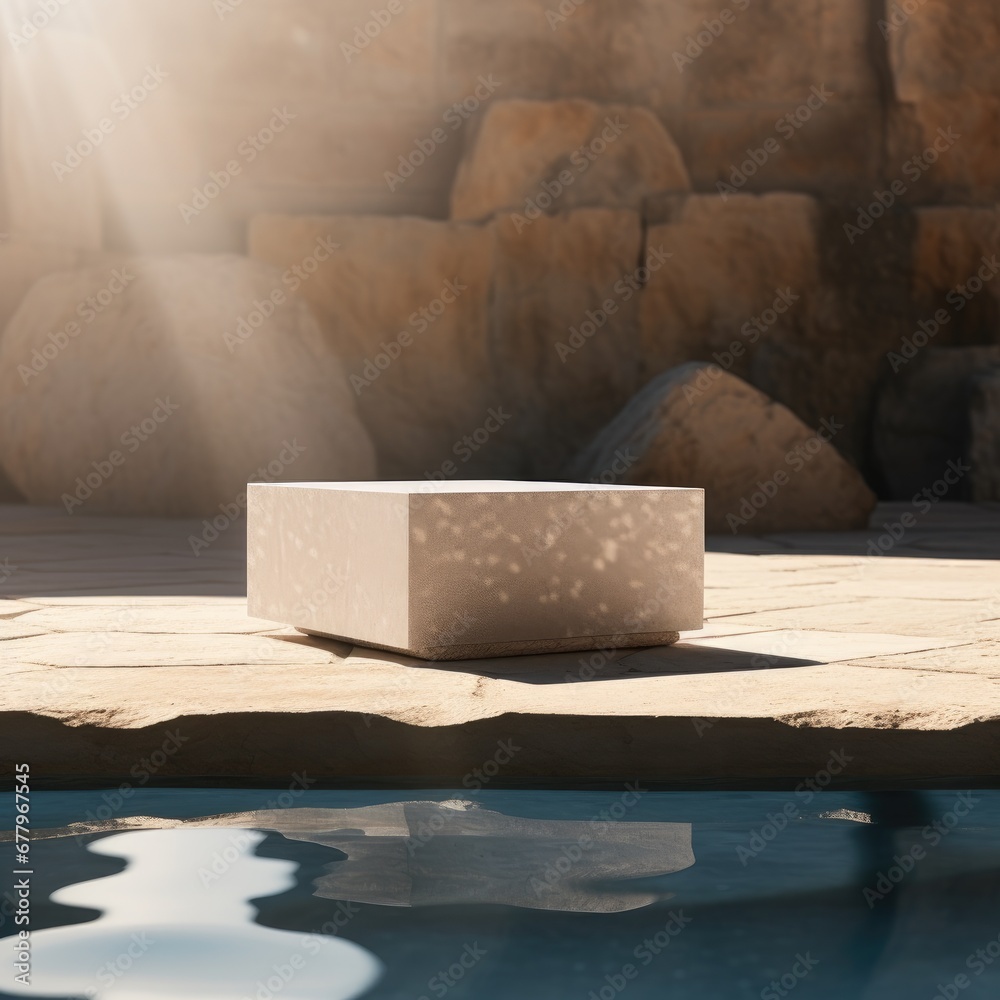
[377,95]
[510,217]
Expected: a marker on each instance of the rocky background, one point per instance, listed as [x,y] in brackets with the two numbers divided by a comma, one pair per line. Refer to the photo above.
[746,245]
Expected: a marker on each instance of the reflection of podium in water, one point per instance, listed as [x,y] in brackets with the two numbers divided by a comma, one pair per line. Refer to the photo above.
[166,932]
[439,853]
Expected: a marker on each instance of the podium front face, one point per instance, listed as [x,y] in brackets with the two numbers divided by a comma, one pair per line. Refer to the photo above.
[477,568]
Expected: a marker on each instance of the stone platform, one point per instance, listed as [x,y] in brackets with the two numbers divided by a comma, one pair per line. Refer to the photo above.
[126,655]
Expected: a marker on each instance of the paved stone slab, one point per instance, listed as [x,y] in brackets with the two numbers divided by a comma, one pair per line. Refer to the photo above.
[10,608]
[893,660]
[207,617]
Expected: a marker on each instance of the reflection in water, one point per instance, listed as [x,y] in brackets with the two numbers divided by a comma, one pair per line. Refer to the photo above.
[555,902]
[167,931]
[431,853]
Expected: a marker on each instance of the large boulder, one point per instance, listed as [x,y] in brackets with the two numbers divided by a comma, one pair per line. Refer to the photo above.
[541,156]
[762,469]
[955,267]
[164,385]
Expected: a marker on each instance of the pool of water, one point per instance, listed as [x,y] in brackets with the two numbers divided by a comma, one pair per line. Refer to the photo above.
[303,893]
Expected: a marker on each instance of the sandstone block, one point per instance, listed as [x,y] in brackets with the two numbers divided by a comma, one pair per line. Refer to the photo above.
[951,245]
[540,156]
[762,469]
[163,385]
[810,142]
[938,49]
[477,568]
[731,259]
[944,66]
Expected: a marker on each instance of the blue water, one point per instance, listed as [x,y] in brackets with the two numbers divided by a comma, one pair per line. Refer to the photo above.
[298,893]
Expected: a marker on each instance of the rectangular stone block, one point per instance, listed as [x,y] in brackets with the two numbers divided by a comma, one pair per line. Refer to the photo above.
[477,568]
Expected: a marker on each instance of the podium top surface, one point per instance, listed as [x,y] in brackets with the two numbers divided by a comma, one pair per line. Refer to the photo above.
[471,486]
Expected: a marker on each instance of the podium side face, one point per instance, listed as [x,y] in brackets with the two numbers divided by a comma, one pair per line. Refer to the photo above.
[332,561]
[496,567]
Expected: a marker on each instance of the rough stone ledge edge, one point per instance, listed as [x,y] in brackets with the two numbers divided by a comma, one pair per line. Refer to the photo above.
[354,748]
